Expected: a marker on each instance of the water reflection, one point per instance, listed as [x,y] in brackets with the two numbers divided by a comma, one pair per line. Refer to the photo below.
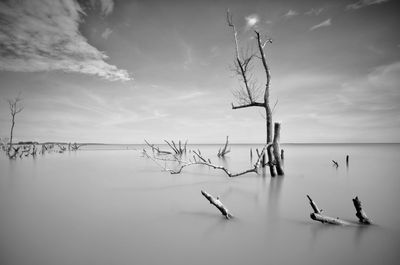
[274,194]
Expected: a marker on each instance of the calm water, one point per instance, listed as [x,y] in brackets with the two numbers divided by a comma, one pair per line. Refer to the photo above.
[108,206]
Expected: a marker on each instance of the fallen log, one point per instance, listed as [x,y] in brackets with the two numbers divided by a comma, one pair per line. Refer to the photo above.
[362,217]
[218,204]
[327,219]
[318,216]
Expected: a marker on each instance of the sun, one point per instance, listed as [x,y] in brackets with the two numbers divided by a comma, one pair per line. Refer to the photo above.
[251,20]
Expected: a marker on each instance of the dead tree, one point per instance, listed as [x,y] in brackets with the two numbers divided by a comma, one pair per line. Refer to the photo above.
[15,108]
[249,95]
[218,204]
[222,152]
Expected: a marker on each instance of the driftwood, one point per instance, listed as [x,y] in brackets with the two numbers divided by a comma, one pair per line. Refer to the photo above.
[328,220]
[14,155]
[222,152]
[362,217]
[177,148]
[199,159]
[336,164]
[157,149]
[318,216]
[218,204]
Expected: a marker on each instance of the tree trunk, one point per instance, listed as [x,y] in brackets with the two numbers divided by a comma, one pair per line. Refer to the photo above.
[268,116]
[11,132]
[277,152]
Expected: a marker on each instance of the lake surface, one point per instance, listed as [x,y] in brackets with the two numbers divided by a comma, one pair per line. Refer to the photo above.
[110,205]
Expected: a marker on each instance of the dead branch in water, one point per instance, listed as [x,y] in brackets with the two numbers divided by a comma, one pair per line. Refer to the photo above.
[222,152]
[177,148]
[318,216]
[218,204]
[199,159]
[157,149]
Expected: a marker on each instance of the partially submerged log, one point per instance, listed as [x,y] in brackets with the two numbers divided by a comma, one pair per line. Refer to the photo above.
[318,216]
[218,204]
[327,219]
[336,164]
[362,217]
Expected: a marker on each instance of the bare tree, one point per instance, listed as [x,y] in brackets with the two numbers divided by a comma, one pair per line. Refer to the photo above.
[15,108]
[248,95]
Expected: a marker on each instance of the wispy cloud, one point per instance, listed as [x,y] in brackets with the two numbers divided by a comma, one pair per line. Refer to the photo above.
[314,11]
[291,13]
[44,35]
[106,6]
[325,23]
[362,3]
[106,33]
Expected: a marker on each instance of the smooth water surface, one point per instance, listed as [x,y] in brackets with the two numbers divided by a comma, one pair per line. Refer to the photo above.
[113,206]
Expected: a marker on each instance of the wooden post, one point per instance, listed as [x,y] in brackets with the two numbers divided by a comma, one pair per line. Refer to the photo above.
[362,217]
[277,153]
[217,203]
[272,170]
[347,160]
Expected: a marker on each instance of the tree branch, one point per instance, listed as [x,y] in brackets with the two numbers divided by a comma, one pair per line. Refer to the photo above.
[252,104]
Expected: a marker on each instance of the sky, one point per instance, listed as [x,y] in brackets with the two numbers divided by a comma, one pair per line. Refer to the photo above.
[122,71]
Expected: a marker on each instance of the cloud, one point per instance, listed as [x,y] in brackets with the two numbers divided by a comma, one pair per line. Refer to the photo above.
[291,13]
[314,11]
[251,20]
[106,33]
[43,35]
[106,6]
[362,3]
[325,23]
